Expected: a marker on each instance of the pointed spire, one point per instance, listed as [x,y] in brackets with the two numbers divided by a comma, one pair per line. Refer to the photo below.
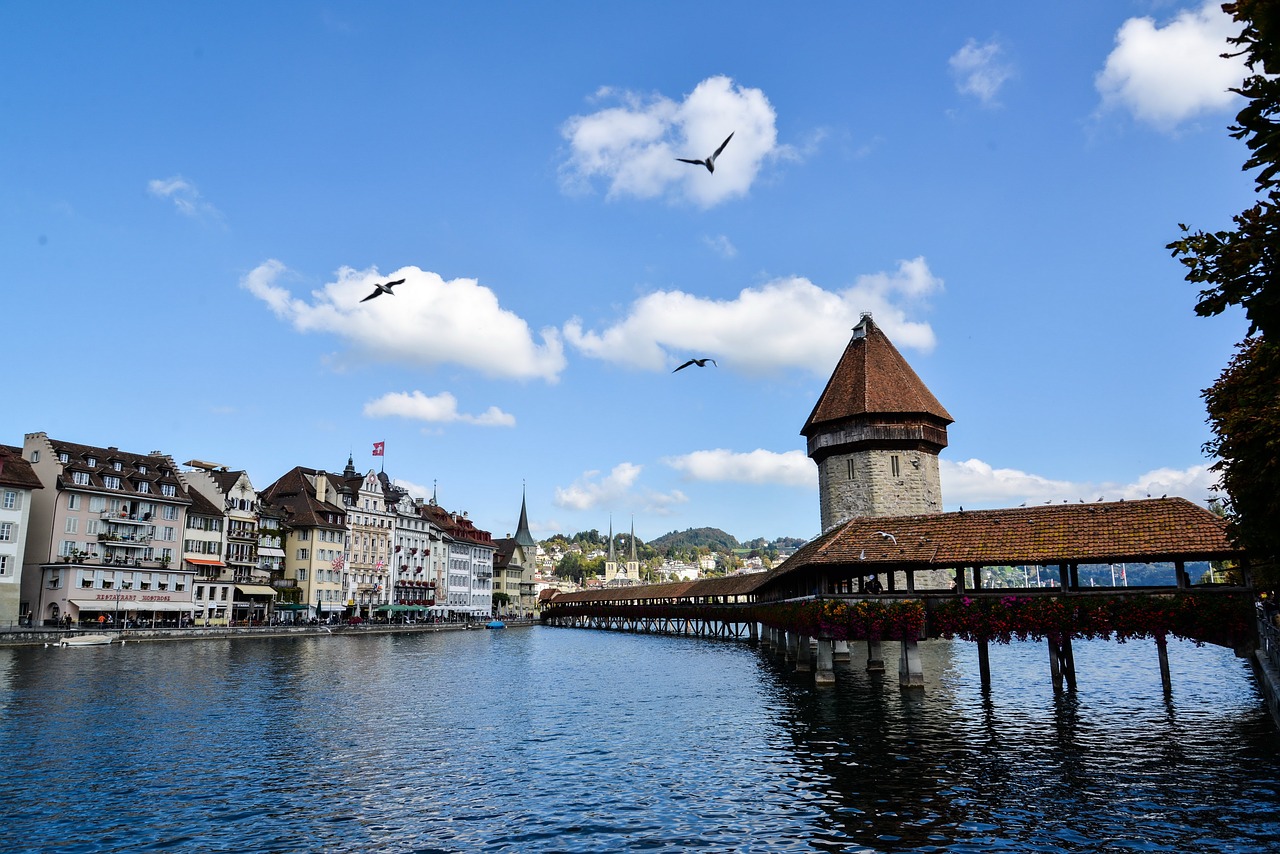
[523,537]
[633,539]
[350,470]
[612,559]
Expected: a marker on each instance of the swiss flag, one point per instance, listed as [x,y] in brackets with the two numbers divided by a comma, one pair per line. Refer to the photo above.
[378,448]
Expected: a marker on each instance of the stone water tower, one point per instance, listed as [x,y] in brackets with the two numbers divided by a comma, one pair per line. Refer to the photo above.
[875,434]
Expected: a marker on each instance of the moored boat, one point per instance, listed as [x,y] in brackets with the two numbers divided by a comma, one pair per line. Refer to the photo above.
[86,640]
[495,624]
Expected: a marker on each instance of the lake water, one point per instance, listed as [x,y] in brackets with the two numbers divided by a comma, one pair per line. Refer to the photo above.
[549,739]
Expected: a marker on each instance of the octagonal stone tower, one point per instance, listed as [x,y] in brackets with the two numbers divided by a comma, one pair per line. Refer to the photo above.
[875,434]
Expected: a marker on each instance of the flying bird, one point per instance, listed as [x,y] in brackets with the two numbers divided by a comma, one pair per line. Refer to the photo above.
[888,536]
[382,289]
[701,363]
[710,162]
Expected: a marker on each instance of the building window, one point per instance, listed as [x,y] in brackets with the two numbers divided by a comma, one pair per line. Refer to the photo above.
[4,564]
[302,575]
[92,462]
[111,482]
[6,532]
[168,490]
[142,469]
[97,504]
[62,457]
[35,456]
[80,478]
[303,554]
[849,464]
[11,500]
[71,526]
[116,466]
[893,464]
[143,486]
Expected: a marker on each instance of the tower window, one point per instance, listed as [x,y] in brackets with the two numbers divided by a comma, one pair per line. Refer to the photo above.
[894,465]
[849,463]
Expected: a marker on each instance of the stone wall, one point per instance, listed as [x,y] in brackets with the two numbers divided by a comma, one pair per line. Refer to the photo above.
[863,483]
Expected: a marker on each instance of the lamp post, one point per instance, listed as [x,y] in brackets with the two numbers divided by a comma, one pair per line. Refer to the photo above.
[121,586]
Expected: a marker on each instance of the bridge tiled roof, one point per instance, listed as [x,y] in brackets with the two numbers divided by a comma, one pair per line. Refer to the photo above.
[730,585]
[1151,530]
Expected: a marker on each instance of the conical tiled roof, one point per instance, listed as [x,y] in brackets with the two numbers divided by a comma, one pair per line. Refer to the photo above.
[523,537]
[872,379]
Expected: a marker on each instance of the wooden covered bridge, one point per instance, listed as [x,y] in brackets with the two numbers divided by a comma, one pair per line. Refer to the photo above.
[927,572]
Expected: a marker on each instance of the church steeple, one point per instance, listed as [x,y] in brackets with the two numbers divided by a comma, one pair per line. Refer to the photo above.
[523,537]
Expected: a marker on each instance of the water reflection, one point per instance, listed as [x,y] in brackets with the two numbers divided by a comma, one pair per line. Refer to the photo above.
[567,740]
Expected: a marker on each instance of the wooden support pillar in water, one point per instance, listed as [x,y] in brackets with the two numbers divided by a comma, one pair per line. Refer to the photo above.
[804,653]
[984,663]
[1062,664]
[910,671]
[793,647]
[840,652]
[753,637]
[875,658]
[824,673]
[1162,647]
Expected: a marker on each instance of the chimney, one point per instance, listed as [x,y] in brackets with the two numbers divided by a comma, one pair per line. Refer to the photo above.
[321,482]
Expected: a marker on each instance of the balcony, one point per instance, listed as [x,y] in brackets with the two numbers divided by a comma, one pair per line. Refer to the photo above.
[128,541]
[118,518]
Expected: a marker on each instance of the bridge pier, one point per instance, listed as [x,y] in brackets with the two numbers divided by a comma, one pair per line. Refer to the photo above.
[752,637]
[1062,664]
[825,672]
[840,652]
[804,652]
[793,647]
[875,658]
[910,671]
[1162,647]
[984,663]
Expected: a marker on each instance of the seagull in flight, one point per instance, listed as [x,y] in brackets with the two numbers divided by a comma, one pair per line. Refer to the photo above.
[888,536]
[382,289]
[701,363]
[710,162]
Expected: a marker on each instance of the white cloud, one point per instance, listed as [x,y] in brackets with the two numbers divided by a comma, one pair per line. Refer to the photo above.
[979,71]
[592,491]
[633,146]
[427,321]
[415,490]
[787,323]
[440,408]
[721,245]
[974,483]
[792,468]
[184,195]
[1165,75]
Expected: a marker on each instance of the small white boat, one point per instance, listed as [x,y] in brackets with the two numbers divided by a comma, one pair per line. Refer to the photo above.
[86,640]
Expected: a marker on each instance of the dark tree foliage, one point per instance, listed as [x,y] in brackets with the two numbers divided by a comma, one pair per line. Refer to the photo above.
[1241,267]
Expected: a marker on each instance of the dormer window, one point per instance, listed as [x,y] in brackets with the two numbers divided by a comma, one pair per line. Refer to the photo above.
[111,482]
[168,490]
[80,478]
[62,457]
[142,469]
[117,466]
[92,462]
[143,486]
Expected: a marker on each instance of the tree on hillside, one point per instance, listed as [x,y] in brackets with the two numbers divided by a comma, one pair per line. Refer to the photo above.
[1241,267]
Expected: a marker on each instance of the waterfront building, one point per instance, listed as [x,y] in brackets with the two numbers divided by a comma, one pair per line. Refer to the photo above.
[103,535]
[467,570]
[414,560]
[370,529]
[515,565]
[17,482]
[875,434]
[314,520]
[213,595]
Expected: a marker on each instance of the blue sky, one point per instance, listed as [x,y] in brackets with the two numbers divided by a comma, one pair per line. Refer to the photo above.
[195,198]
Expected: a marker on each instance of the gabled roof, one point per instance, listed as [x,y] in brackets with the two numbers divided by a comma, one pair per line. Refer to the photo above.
[1152,530]
[160,469]
[872,378]
[202,506]
[295,493]
[16,471]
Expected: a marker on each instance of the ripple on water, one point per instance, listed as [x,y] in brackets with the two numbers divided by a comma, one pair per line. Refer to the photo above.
[560,740]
